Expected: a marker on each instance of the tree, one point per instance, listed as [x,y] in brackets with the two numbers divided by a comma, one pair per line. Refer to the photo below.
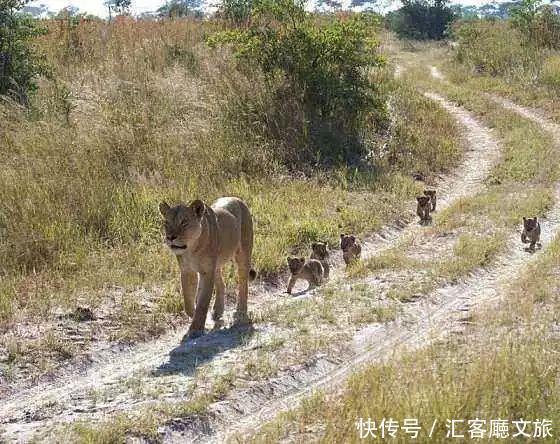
[538,22]
[236,11]
[465,12]
[181,8]
[421,19]
[19,64]
[120,7]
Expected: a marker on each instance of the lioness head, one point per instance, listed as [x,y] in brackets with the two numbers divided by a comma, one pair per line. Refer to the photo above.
[430,193]
[295,264]
[423,200]
[529,223]
[183,224]
[320,250]
[347,241]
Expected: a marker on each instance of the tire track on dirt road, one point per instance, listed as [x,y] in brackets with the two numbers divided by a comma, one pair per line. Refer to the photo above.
[22,414]
[436,316]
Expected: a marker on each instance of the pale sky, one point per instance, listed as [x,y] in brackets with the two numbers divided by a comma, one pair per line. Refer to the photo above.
[139,6]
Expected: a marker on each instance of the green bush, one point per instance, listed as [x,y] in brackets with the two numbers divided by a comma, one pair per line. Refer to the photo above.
[19,64]
[421,19]
[323,66]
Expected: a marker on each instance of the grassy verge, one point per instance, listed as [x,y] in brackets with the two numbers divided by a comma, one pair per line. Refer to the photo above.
[507,377]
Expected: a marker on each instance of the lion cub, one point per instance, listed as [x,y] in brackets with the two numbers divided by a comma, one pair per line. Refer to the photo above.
[423,208]
[531,232]
[310,270]
[320,252]
[433,200]
[351,248]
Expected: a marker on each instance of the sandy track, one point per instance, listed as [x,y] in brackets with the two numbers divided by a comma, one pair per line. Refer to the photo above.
[25,413]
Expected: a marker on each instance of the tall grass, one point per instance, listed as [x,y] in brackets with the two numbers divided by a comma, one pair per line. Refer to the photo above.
[525,60]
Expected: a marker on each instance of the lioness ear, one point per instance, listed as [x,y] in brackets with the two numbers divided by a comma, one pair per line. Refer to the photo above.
[198,208]
[342,235]
[164,209]
[524,219]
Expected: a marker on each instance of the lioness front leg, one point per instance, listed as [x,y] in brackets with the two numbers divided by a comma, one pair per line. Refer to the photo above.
[189,284]
[205,288]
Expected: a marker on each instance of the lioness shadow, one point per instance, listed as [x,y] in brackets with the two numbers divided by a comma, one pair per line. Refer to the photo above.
[191,353]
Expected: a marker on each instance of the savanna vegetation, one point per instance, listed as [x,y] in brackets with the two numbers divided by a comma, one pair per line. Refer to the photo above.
[288,111]
[301,116]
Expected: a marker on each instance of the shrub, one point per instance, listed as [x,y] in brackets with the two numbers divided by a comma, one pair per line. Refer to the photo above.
[19,64]
[181,8]
[421,19]
[323,65]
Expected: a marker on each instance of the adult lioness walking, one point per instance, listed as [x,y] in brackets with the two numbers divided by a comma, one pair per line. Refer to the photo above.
[204,238]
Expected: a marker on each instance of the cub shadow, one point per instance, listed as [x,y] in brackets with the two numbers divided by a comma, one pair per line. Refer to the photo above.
[186,357]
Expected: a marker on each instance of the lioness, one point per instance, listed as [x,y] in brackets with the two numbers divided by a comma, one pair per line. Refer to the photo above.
[311,270]
[531,232]
[433,199]
[203,239]
[351,248]
[423,208]
[320,252]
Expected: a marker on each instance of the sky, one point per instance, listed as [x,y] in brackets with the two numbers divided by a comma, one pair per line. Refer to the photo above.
[139,6]
[97,7]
